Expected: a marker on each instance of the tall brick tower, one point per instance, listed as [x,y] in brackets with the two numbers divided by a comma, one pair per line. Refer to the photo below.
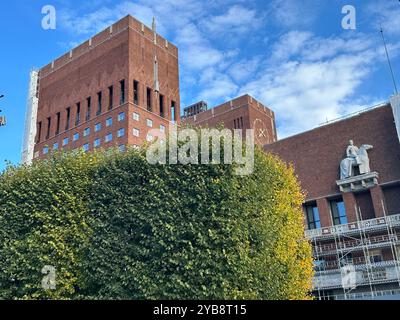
[109,91]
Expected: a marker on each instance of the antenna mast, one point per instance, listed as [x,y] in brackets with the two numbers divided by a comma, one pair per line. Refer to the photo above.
[390,64]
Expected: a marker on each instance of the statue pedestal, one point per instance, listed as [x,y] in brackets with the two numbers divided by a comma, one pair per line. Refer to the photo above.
[357,183]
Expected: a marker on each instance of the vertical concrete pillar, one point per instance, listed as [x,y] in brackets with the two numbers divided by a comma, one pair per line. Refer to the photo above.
[378,201]
[324,212]
[350,205]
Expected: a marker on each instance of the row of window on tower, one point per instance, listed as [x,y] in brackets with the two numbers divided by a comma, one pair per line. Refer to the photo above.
[99,108]
[337,209]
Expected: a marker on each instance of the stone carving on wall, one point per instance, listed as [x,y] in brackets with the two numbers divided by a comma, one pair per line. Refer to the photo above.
[356,157]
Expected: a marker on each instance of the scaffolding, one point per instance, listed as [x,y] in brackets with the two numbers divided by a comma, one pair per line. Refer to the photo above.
[372,276]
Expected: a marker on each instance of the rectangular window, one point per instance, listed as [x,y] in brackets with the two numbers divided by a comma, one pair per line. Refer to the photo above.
[122,148]
[109,122]
[65,142]
[39,132]
[149,100]
[109,137]
[338,212]
[121,116]
[162,128]
[68,118]
[99,102]
[162,106]
[122,97]
[86,147]
[55,146]
[110,97]
[312,215]
[136,116]
[173,106]
[89,108]
[136,132]
[121,133]
[149,137]
[48,128]
[149,123]
[136,92]
[78,114]
[45,150]
[97,143]
[58,116]
[75,137]
[86,132]
[97,127]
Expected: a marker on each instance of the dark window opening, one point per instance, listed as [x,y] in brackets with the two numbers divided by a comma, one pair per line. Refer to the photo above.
[149,100]
[89,108]
[39,132]
[110,97]
[312,215]
[338,212]
[78,114]
[122,97]
[99,98]
[68,118]
[48,128]
[136,92]
[162,106]
[58,123]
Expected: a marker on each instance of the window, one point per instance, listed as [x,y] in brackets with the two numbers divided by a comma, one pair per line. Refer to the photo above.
[121,133]
[109,122]
[162,106]
[148,99]
[65,142]
[75,137]
[312,215]
[55,146]
[173,106]
[375,256]
[238,123]
[162,128]
[99,102]
[149,137]
[86,147]
[86,132]
[122,148]
[78,114]
[97,127]
[109,137]
[136,132]
[136,116]
[122,96]
[136,92]
[39,132]
[58,116]
[97,143]
[338,212]
[110,97]
[45,150]
[68,118]
[121,116]
[48,128]
[149,123]
[89,108]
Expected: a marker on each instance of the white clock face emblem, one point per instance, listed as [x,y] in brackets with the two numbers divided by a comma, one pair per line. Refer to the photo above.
[261,132]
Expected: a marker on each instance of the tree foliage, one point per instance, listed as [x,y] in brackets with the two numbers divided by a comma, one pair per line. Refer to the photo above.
[116,227]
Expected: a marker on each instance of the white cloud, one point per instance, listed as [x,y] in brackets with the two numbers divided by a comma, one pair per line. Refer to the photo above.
[293,13]
[385,13]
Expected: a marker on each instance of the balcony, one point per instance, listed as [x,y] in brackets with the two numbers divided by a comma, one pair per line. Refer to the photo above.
[354,227]
[365,274]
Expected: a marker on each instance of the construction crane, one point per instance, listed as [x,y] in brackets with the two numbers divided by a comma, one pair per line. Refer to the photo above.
[2,118]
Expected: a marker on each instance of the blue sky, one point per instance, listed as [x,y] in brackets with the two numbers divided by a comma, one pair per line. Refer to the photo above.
[292,55]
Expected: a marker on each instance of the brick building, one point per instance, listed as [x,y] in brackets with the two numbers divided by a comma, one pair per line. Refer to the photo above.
[109,91]
[124,81]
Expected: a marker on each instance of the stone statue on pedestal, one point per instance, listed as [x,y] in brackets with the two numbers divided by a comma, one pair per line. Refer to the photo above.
[356,157]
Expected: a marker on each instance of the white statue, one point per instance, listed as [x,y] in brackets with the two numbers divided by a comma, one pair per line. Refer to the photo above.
[355,157]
